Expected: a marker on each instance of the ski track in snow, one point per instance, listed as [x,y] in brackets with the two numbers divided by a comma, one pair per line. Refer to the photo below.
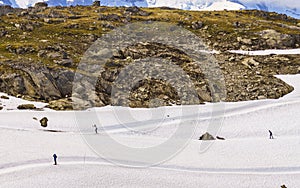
[39,163]
[227,111]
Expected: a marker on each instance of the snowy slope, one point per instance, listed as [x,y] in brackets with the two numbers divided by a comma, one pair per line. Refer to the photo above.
[247,158]
[224,5]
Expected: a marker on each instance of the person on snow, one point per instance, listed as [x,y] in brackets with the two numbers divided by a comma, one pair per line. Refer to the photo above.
[96,129]
[55,157]
[271,135]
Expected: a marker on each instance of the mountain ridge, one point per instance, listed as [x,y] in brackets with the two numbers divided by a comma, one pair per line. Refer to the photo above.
[289,8]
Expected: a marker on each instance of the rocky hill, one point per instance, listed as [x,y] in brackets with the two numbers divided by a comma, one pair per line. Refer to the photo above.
[42,46]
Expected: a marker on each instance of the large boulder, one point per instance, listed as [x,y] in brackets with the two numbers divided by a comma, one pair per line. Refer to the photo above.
[206,136]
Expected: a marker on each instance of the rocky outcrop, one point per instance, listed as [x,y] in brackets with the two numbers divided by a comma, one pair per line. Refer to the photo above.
[35,80]
[149,91]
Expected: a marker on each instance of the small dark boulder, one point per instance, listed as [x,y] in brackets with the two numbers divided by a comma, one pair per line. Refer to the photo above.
[26,107]
[220,138]
[206,136]
[1,107]
[44,122]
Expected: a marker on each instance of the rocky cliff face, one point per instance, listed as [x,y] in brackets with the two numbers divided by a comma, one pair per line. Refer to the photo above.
[41,48]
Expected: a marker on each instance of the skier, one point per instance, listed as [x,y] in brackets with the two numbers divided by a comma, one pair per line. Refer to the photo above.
[271,135]
[96,129]
[55,157]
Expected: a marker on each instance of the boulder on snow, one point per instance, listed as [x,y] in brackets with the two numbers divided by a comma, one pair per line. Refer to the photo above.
[26,107]
[44,122]
[220,138]
[1,107]
[4,97]
[206,136]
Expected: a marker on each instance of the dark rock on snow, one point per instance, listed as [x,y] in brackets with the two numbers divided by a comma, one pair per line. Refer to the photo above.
[44,122]
[206,136]
[26,107]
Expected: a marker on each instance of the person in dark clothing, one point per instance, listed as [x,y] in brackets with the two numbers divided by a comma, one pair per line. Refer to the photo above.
[271,135]
[55,157]
[96,129]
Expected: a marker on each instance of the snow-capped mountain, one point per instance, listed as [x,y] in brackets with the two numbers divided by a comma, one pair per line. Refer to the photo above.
[289,7]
